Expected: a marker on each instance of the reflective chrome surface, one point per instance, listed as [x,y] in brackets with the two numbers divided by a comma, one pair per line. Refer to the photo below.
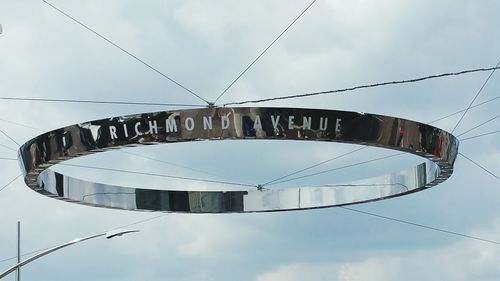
[437,146]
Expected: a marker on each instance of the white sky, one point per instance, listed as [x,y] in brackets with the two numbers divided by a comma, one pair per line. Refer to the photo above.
[205,45]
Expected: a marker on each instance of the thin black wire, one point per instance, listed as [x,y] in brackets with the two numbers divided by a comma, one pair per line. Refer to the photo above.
[421,225]
[19,124]
[28,253]
[265,50]
[365,86]
[481,135]
[480,166]
[9,183]
[106,193]
[98,102]
[313,166]
[338,168]
[159,175]
[125,51]
[10,159]
[8,147]
[460,111]
[5,134]
[170,163]
[475,97]
[371,184]
[140,221]
[477,126]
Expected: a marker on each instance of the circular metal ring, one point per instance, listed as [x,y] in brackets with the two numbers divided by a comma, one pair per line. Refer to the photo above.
[437,146]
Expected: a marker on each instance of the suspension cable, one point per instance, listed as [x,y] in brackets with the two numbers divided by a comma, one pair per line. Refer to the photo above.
[124,51]
[264,51]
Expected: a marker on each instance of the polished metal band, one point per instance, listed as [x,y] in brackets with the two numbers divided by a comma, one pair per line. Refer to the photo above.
[213,123]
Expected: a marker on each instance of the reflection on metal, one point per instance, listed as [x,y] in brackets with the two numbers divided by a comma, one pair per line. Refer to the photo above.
[39,154]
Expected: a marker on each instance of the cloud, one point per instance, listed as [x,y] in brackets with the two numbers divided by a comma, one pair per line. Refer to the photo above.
[463,260]
[205,45]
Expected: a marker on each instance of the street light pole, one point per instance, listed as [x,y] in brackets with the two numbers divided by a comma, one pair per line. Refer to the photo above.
[108,235]
[18,272]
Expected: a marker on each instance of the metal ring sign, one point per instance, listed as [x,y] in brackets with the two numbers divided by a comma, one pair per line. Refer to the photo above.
[39,154]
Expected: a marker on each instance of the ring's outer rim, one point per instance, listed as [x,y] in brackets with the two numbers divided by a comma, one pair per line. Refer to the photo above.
[37,155]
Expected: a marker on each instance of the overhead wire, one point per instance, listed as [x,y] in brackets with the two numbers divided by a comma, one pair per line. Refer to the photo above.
[19,124]
[140,221]
[421,225]
[460,111]
[475,97]
[5,134]
[10,182]
[170,163]
[7,147]
[480,166]
[435,228]
[99,102]
[170,104]
[313,166]
[431,227]
[27,253]
[159,175]
[366,184]
[9,159]
[365,86]
[481,135]
[338,168]
[124,51]
[264,51]
[479,125]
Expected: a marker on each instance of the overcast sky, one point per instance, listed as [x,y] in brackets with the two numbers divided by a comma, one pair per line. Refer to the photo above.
[205,45]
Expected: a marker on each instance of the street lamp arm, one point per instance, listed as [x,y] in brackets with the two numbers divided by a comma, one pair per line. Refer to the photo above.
[53,249]
[46,252]
[112,234]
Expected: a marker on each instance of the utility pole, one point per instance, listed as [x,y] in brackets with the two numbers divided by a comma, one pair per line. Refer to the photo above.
[18,271]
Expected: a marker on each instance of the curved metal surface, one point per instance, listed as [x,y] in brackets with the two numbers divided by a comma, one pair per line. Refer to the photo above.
[435,145]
